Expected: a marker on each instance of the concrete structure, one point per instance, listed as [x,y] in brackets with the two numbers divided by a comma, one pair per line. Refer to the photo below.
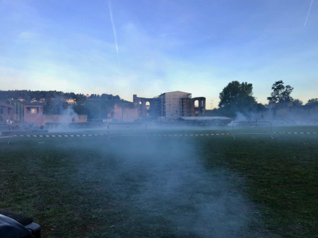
[33,113]
[147,107]
[18,114]
[173,104]
[170,105]
[199,109]
[6,112]
[187,107]
[124,114]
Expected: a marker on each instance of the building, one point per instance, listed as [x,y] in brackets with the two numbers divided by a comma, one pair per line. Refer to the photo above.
[33,114]
[6,112]
[175,104]
[147,107]
[170,105]
[124,113]
[187,107]
[18,114]
[70,101]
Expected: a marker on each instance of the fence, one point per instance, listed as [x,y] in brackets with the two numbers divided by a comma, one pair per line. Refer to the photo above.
[127,129]
[252,128]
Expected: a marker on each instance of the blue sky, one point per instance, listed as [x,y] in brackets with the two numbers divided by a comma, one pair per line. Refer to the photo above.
[196,46]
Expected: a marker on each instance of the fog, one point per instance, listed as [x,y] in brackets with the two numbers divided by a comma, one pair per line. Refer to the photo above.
[290,118]
[165,180]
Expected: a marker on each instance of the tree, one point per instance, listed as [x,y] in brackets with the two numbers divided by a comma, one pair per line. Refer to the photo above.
[260,108]
[281,93]
[237,97]
[80,98]
[297,102]
[312,103]
[313,100]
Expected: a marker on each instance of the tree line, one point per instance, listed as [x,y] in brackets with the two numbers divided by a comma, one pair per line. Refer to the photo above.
[238,97]
[28,95]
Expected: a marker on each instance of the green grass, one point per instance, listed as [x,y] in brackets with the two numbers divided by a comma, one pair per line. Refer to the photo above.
[70,186]
[282,178]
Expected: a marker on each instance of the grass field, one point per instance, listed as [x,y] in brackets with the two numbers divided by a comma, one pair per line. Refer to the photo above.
[166,186]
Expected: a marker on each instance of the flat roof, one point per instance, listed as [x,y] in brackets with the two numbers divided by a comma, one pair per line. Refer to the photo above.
[177,92]
[205,118]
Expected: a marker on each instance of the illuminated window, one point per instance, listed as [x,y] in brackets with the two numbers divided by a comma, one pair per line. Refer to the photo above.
[32,110]
[147,105]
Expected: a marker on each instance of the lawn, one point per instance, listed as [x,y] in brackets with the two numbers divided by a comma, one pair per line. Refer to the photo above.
[166,186]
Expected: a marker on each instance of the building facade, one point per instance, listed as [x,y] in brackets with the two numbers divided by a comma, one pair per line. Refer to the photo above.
[174,104]
[33,114]
[124,114]
[6,112]
[170,105]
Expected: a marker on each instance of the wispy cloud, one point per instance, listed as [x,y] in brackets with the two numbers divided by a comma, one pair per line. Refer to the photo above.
[114,29]
[308,12]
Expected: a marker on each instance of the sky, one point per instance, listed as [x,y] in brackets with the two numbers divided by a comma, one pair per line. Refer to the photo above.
[148,47]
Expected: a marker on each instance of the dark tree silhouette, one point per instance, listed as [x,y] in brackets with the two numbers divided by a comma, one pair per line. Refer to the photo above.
[237,97]
[281,93]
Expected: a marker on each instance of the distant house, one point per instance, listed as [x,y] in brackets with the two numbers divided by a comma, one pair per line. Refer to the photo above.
[70,101]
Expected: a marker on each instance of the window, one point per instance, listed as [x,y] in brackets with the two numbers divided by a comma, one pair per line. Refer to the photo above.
[32,110]
[147,105]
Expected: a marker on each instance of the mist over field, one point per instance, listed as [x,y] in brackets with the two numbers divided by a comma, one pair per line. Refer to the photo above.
[172,119]
[164,182]
[166,186]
